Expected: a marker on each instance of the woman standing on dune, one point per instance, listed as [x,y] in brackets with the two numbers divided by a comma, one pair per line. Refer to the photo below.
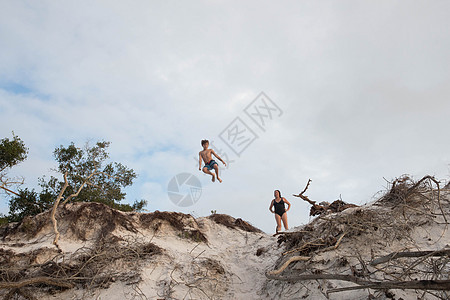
[280,210]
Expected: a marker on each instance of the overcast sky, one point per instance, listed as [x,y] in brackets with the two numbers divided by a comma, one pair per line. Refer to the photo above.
[359,92]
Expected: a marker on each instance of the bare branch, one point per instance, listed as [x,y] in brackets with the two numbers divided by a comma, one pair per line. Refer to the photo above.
[438,285]
[36,280]
[396,255]
[79,189]
[55,206]
[336,245]
[9,191]
[287,263]
[306,197]
[292,278]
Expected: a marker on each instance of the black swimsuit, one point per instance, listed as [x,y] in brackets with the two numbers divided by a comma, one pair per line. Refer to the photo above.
[279,207]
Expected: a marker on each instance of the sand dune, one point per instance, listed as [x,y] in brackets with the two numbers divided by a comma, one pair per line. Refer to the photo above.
[107,254]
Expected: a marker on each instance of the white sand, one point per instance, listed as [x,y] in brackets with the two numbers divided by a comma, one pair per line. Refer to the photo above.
[227,267]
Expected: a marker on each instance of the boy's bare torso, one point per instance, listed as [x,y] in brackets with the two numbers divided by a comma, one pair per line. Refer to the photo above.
[206,155]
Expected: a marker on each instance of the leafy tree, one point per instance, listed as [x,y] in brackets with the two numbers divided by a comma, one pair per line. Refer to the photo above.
[12,152]
[104,181]
[89,176]
[29,203]
[3,220]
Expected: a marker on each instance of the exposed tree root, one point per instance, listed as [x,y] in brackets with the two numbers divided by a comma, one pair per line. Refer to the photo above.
[407,205]
[325,207]
[395,255]
[37,280]
[287,263]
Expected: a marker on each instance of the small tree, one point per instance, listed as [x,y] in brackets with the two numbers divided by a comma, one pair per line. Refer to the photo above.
[102,182]
[29,203]
[88,177]
[12,152]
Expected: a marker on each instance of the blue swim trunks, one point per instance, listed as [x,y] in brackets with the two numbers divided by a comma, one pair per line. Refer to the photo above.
[210,165]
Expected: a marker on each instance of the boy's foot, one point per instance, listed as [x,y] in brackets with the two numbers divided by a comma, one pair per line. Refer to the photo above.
[213,178]
[220,180]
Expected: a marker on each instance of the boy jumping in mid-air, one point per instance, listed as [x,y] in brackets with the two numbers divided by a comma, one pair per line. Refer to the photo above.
[209,162]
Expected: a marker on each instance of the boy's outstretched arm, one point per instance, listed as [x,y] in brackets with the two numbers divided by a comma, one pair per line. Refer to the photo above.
[212,151]
[199,162]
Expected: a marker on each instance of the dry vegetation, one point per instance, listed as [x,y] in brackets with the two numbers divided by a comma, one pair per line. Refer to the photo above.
[109,259]
[406,206]
[344,244]
[176,221]
[233,223]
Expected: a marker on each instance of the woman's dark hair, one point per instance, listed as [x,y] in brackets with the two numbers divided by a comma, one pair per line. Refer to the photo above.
[279,193]
[204,142]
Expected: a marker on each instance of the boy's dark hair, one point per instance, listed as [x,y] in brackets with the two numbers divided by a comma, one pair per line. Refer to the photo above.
[204,142]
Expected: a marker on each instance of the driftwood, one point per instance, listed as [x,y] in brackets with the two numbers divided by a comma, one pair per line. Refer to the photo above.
[395,255]
[407,204]
[315,243]
[319,209]
[59,282]
[336,245]
[441,285]
[437,285]
[293,278]
[287,263]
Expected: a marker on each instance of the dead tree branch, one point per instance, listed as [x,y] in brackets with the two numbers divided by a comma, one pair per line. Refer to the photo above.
[396,255]
[336,245]
[9,191]
[4,183]
[288,262]
[437,285]
[301,195]
[316,209]
[37,280]
[364,284]
[292,278]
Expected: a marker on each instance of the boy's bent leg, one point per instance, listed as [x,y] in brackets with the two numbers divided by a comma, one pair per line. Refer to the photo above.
[216,168]
[205,170]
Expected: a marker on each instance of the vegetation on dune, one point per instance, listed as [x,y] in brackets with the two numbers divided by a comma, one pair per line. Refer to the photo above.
[12,152]
[88,174]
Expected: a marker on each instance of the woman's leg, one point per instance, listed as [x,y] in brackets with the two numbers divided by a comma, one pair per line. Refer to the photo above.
[285,222]
[278,219]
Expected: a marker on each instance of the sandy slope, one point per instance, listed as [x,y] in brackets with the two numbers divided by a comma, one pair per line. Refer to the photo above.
[224,267]
[208,258]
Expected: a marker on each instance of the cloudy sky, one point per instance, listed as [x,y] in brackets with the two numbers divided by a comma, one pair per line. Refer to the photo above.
[361,88]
